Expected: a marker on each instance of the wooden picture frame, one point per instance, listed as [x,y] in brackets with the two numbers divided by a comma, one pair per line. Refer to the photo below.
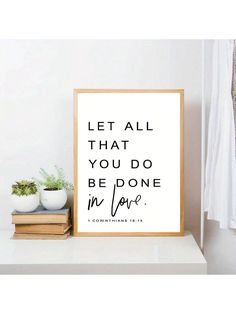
[78,111]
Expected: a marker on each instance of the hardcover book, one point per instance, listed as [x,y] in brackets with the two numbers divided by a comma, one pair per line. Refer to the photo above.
[28,236]
[42,228]
[42,216]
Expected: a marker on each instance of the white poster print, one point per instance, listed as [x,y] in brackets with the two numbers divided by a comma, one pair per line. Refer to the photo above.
[128,162]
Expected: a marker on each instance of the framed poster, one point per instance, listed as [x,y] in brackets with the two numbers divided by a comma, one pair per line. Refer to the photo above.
[128,162]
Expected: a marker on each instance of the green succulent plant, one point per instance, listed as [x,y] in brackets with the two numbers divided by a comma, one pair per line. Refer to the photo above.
[24,187]
[54,182]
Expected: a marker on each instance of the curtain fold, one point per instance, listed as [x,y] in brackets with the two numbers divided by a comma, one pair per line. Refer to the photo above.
[220,179]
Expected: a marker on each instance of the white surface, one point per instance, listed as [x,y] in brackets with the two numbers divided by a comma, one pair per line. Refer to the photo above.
[156,211]
[36,101]
[106,255]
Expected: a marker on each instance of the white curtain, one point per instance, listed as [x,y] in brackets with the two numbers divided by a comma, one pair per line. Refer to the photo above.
[220,179]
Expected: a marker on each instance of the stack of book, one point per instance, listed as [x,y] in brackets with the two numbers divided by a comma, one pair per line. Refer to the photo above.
[42,224]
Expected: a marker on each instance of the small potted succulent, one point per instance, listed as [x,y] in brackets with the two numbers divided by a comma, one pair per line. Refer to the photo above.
[25,196]
[54,189]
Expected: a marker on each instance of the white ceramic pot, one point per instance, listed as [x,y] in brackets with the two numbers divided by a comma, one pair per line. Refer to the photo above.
[25,203]
[53,200]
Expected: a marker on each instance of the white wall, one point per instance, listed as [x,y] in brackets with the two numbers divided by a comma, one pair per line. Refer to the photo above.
[37,79]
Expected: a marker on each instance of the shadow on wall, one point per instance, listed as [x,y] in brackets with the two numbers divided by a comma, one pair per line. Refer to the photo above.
[192,140]
[69,202]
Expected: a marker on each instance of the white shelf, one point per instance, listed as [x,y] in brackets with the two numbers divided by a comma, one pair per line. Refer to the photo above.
[116,255]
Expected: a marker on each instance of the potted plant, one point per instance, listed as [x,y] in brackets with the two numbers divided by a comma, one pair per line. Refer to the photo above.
[25,196]
[54,189]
